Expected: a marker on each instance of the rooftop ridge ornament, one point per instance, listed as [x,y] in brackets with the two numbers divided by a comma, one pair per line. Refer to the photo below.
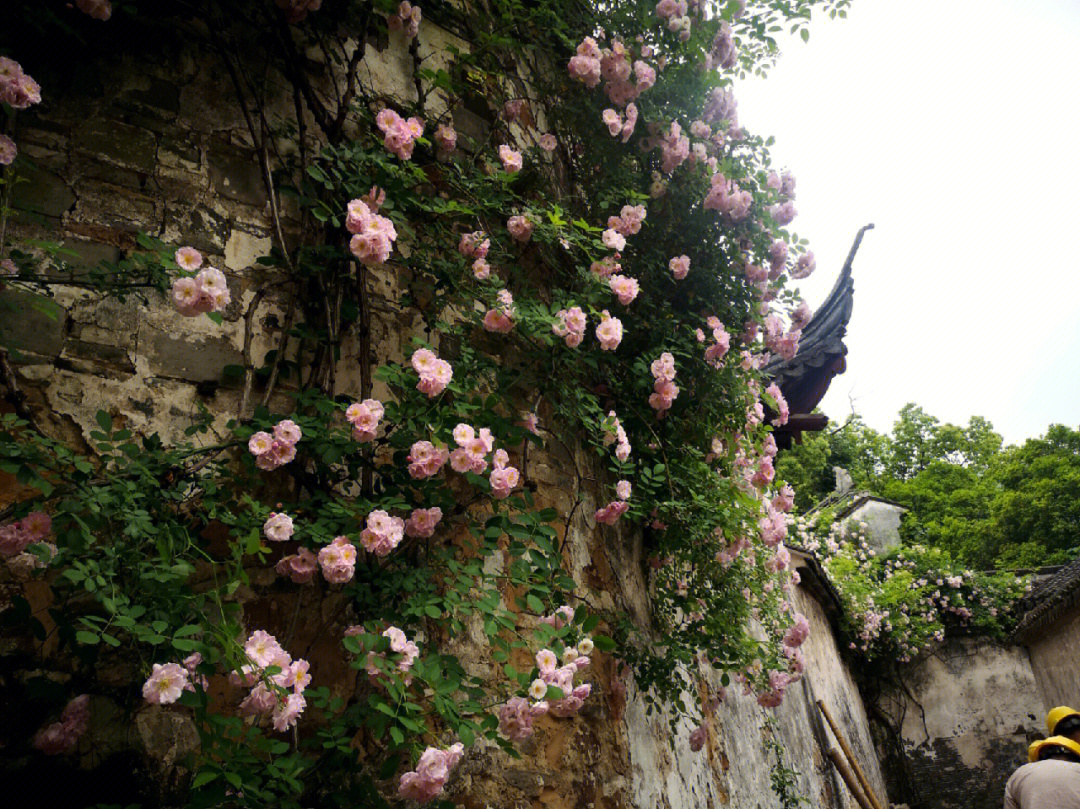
[805,379]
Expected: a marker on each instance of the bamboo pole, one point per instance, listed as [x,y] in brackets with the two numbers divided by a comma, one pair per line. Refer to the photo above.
[859,774]
[849,779]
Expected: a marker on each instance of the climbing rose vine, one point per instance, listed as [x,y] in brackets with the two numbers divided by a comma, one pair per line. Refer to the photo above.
[607,271]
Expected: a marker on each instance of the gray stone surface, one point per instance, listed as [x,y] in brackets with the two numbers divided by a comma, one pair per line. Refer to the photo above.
[26,324]
[43,193]
[235,174]
[117,144]
[188,358]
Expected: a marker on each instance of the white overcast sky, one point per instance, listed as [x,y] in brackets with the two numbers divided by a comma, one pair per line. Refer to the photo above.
[953,126]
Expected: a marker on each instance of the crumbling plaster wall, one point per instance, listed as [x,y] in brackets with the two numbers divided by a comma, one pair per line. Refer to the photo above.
[157,145]
[1053,660]
[966,715]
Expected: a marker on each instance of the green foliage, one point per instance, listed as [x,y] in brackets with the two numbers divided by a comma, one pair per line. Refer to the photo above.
[901,603]
[988,506]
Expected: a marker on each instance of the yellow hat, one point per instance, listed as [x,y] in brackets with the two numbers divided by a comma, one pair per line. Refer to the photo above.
[1056,715]
[1061,741]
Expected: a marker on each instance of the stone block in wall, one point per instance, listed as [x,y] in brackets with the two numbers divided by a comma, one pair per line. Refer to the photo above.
[33,325]
[179,153]
[44,193]
[107,204]
[94,358]
[117,144]
[188,358]
[89,254]
[197,225]
[236,174]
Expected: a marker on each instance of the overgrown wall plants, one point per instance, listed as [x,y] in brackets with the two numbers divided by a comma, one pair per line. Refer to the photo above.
[604,263]
[901,603]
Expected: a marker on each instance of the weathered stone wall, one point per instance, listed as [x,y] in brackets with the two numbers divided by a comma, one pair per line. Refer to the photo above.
[1054,662]
[882,522]
[732,770]
[966,716]
[157,145]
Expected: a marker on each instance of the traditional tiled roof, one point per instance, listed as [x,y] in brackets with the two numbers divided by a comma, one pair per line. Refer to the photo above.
[1048,599]
[805,378]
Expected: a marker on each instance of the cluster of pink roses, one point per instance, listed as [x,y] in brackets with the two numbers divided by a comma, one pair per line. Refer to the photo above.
[615,433]
[431,774]
[674,149]
[616,65]
[206,292]
[445,141]
[264,651]
[584,66]
[723,53]
[364,417]
[562,677]
[609,332]
[399,644]
[17,89]
[61,737]
[726,197]
[679,266]
[624,287]
[167,681]
[664,388]
[783,213]
[382,533]
[473,447]
[721,344]
[804,266]
[435,374]
[475,245]
[629,220]
[399,134]
[373,235]
[407,17]
[422,521]
[272,451]
[520,227]
[299,566]
[782,411]
[501,318]
[618,125]
[338,560]
[16,537]
[610,513]
[678,20]
[786,344]
[425,459]
[516,717]
[570,325]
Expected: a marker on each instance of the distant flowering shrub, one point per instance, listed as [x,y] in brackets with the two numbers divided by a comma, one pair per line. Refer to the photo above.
[902,604]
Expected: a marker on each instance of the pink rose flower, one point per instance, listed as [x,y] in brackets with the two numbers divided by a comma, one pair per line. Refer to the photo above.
[511,159]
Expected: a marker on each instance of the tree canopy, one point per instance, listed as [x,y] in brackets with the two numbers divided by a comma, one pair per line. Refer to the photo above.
[987,504]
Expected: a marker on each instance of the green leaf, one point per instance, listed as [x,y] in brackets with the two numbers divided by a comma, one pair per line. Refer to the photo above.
[83,636]
[204,778]
[104,421]
[603,643]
